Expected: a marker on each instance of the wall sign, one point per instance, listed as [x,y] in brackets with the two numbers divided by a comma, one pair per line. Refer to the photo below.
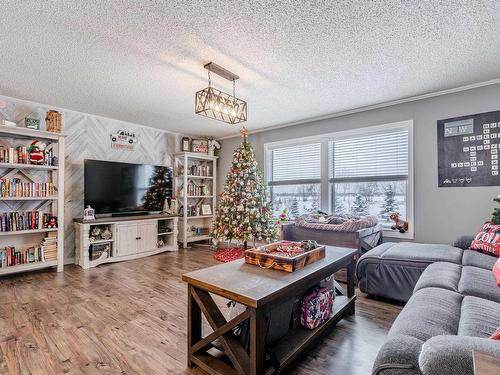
[123,140]
[468,149]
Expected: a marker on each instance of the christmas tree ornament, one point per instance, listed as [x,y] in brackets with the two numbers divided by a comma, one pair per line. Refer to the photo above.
[244,191]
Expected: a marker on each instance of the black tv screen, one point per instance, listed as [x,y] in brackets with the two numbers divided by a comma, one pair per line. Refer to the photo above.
[121,188]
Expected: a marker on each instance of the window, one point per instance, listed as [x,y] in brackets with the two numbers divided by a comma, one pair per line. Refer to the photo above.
[362,172]
[369,174]
[294,178]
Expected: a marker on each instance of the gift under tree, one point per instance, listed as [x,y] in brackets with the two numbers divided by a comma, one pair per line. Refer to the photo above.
[243,213]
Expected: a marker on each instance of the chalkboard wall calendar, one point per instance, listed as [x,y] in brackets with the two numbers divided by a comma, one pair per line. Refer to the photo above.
[468,149]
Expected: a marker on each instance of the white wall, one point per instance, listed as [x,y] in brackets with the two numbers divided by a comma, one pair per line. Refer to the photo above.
[441,214]
[88,137]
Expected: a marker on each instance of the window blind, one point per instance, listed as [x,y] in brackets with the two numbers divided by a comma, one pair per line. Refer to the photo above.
[299,162]
[375,155]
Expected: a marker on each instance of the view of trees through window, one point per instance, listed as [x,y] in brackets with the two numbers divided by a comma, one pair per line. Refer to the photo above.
[379,199]
[298,199]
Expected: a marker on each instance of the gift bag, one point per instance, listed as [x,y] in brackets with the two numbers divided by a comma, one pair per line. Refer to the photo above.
[317,307]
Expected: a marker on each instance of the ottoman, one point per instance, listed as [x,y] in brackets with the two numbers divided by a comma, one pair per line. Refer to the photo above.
[391,270]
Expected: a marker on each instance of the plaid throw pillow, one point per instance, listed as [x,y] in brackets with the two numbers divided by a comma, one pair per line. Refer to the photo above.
[488,240]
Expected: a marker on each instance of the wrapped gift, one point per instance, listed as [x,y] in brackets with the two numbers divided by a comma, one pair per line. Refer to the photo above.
[317,307]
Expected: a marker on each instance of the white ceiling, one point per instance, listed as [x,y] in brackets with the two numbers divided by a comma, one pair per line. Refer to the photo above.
[142,61]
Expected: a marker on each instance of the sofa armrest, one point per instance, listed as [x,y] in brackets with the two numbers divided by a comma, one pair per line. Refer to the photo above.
[453,354]
[399,355]
[463,242]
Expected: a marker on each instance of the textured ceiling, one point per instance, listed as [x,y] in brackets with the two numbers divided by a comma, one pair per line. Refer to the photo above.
[142,61]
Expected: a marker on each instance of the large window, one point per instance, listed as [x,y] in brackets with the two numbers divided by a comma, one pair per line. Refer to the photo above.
[361,172]
[369,174]
[294,178]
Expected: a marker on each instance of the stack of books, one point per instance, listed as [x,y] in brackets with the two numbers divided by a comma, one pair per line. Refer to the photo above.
[10,256]
[13,187]
[23,220]
[20,155]
[49,247]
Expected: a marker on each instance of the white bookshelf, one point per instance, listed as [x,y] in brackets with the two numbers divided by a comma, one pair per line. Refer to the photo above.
[54,205]
[182,177]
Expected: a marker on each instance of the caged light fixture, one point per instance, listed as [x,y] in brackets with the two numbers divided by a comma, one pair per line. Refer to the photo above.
[216,104]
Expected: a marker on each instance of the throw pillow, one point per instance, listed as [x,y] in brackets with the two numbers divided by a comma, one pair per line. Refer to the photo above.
[496,334]
[488,240]
[496,271]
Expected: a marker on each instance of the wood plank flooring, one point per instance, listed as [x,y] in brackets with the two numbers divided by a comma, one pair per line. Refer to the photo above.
[130,318]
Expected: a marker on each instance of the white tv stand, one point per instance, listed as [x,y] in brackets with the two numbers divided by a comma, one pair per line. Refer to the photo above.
[132,237]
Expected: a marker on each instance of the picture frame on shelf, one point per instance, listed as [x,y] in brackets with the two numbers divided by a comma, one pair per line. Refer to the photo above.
[199,146]
[206,209]
[32,123]
[186,144]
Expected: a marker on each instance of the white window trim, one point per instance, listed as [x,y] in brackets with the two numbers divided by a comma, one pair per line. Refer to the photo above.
[325,138]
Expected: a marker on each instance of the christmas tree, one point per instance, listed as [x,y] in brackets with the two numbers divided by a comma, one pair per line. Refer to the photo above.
[243,213]
[339,206]
[158,189]
[496,213]
[294,207]
[390,205]
[359,206]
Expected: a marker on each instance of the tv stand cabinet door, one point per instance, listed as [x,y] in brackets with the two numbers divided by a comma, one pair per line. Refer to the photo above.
[147,232]
[127,239]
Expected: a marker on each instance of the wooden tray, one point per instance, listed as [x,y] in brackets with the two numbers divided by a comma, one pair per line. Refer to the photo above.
[281,262]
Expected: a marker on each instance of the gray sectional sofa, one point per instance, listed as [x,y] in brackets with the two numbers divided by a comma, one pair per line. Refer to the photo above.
[454,308]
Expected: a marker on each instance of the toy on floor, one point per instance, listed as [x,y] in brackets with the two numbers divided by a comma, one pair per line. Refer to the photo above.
[399,224]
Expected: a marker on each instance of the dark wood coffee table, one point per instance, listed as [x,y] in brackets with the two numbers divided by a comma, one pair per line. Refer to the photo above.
[221,352]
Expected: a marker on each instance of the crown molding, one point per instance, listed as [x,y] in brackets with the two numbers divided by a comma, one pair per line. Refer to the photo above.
[371,107]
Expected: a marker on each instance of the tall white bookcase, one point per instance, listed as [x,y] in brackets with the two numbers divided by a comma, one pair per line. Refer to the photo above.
[13,137]
[195,181]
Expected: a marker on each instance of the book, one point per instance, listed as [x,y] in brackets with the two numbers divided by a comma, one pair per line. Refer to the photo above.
[23,220]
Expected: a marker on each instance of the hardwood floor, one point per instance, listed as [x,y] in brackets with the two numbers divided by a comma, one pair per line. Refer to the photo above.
[130,318]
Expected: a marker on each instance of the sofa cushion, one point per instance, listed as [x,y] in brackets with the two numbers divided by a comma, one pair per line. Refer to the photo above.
[476,259]
[479,282]
[391,270]
[488,240]
[479,317]
[418,252]
[448,276]
[430,312]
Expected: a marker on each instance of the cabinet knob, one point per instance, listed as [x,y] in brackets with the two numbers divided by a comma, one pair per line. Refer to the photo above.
[138,238]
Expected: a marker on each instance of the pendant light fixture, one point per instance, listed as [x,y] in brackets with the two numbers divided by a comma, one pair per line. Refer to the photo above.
[216,104]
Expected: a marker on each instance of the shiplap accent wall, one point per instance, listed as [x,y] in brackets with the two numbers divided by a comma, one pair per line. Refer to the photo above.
[88,137]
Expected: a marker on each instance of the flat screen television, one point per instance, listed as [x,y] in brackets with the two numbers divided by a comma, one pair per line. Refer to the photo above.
[123,188]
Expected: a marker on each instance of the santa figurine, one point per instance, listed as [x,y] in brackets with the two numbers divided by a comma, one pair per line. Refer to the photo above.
[52,222]
[37,152]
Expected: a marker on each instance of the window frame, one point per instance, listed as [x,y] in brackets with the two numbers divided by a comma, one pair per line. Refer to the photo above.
[326,195]
[268,166]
